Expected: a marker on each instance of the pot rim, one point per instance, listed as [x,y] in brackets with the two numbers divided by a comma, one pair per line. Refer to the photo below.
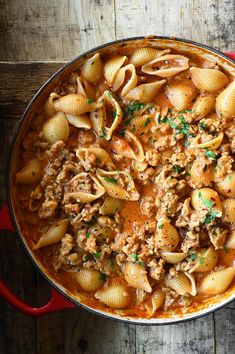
[53,283]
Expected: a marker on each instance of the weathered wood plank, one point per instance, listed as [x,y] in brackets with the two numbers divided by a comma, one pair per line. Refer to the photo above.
[224,331]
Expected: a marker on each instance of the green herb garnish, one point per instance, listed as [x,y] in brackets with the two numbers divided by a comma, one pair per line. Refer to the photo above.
[211,154]
[86,257]
[160,226]
[148,120]
[207,202]
[193,257]
[201,260]
[102,276]
[202,126]
[88,234]
[134,107]
[90,100]
[141,263]
[104,133]
[210,217]
[114,113]
[97,254]
[134,256]
[123,133]
[176,168]
[111,180]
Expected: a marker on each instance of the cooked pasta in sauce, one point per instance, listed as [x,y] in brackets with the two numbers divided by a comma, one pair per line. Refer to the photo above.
[126,184]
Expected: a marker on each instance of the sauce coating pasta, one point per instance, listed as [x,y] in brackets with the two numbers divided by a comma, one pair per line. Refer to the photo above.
[125,185]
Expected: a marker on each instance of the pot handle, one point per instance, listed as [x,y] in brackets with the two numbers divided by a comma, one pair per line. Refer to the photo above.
[56,302]
[230,55]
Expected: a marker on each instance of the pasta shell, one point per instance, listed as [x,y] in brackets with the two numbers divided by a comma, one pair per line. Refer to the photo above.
[136,276]
[53,235]
[212,144]
[166,236]
[112,66]
[81,121]
[173,257]
[201,172]
[140,166]
[227,186]
[230,242]
[85,89]
[181,94]
[82,195]
[181,283]
[228,210]
[203,105]
[166,65]
[140,122]
[110,206]
[145,92]
[119,80]
[89,279]
[56,128]
[225,102]
[131,147]
[217,282]
[30,173]
[209,80]
[115,296]
[102,157]
[206,198]
[205,261]
[92,69]
[156,301]
[49,105]
[118,184]
[75,104]
[144,55]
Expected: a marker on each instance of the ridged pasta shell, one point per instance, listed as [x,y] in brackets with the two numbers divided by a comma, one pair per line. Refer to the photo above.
[75,104]
[56,128]
[81,121]
[49,105]
[166,236]
[85,88]
[203,105]
[156,301]
[144,55]
[112,66]
[30,173]
[209,80]
[173,257]
[139,166]
[201,172]
[206,198]
[89,279]
[141,122]
[131,147]
[81,195]
[181,283]
[217,282]
[227,186]
[205,261]
[110,206]
[102,157]
[53,235]
[181,94]
[119,79]
[230,242]
[92,69]
[212,144]
[115,296]
[228,210]
[145,92]
[111,184]
[166,65]
[136,276]
[225,102]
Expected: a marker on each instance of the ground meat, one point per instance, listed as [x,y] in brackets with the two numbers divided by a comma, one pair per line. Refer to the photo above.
[191,241]
[146,176]
[168,204]
[165,179]
[48,209]
[153,157]
[223,167]
[147,206]
[230,132]
[56,149]
[67,243]
[88,244]
[156,269]
[217,236]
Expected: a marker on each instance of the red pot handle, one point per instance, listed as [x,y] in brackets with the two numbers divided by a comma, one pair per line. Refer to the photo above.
[231,55]
[56,302]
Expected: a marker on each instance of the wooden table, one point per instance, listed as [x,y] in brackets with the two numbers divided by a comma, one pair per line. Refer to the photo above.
[36,38]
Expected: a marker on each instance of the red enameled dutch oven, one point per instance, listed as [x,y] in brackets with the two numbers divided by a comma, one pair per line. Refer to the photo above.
[60,298]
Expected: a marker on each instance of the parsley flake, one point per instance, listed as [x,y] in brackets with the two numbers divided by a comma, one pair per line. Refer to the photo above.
[211,154]
[90,100]
[110,180]
[134,256]
[97,255]
[88,234]
[102,276]
[148,120]
[193,257]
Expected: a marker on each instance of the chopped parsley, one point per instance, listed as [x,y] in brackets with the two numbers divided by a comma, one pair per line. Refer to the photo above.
[193,257]
[134,257]
[104,133]
[176,168]
[97,255]
[127,121]
[109,94]
[90,100]
[110,180]
[202,126]
[141,263]
[160,226]
[86,257]
[148,120]
[134,107]
[187,111]
[210,217]
[207,202]
[201,260]
[123,133]
[102,276]
[211,154]
[114,113]
[88,234]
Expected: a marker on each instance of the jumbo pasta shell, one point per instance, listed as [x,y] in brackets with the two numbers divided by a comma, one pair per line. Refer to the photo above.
[89,279]
[85,88]
[92,69]
[30,173]
[225,102]
[166,65]
[206,198]
[144,55]
[49,105]
[102,157]
[205,261]
[228,210]
[209,80]
[115,296]
[120,79]
[217,282]
[110,206]
[166,236]
[173,257]
[53,235]
[136,276]
[156,301]
[212,144]
[145,93]
[226,187]
[56,128]
[201,172]
[112,66]
[131,147]
[75,104]
[181,283]
[203,105]
[181,94]
[81,121]
[230,242]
